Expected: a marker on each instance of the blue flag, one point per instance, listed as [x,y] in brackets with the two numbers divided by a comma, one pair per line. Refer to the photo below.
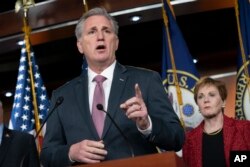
[242,102]
[84,64]
[23,114]
[178,71]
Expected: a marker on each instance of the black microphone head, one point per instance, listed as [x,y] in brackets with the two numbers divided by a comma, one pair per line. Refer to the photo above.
[59,100]
[99,106]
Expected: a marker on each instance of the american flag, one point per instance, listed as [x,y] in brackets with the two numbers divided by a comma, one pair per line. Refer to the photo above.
[22,115]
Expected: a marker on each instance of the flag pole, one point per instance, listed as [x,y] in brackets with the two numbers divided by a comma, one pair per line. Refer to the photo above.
[85,6]
[242,50]
[26,29]
[176,82]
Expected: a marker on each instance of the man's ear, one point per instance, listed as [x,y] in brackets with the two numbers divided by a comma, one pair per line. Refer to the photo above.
[79,46]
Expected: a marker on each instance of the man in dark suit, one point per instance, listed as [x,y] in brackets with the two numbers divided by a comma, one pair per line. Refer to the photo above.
[134,97]
[16,148]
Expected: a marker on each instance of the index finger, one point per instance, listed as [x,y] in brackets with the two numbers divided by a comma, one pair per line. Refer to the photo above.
[138,93]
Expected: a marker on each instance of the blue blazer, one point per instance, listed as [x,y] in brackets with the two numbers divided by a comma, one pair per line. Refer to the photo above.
[18,149]
[71,122]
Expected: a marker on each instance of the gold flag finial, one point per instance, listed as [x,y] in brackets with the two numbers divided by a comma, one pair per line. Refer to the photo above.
[25,4]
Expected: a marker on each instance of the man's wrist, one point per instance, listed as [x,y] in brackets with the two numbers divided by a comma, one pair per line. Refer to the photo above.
[148,130]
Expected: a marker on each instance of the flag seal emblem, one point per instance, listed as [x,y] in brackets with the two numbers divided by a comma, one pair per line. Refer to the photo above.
[242,103]
[189,109]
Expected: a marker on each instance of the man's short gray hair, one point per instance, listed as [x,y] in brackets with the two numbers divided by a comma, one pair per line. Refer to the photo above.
[94,12]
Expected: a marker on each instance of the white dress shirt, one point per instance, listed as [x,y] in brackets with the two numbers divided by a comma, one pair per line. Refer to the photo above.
[108,73]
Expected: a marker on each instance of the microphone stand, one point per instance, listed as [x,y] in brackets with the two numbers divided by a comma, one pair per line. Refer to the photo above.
[58,102]
[100,107]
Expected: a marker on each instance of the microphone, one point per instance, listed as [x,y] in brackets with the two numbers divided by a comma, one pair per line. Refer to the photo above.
[59,101]
[100,107]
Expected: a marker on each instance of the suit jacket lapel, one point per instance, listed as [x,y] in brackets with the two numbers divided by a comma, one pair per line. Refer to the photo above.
[6,142]
[117,87]
[83,102]
[198,144]
[228,133]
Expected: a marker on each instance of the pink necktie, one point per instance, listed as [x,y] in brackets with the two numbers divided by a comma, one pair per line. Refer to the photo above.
[99,98]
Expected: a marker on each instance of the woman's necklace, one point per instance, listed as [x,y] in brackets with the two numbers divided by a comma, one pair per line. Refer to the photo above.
[212,133]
